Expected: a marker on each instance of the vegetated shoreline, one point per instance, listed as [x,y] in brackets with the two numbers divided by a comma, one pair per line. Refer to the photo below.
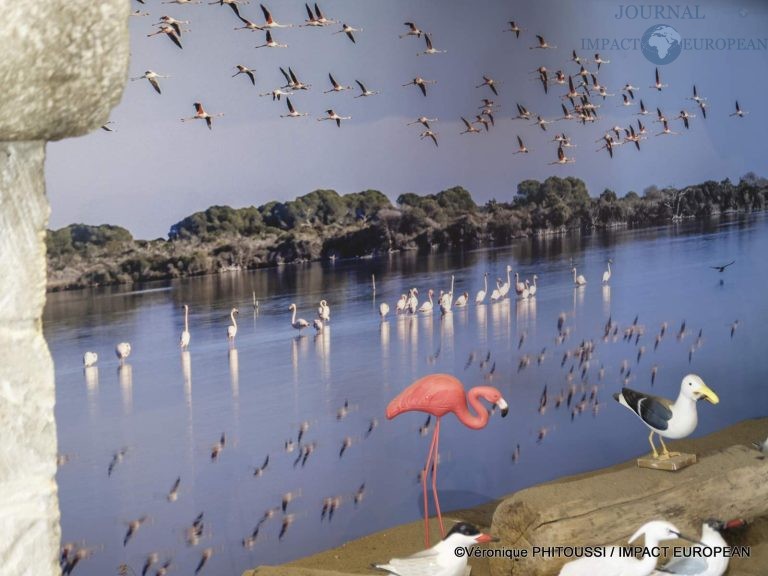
[325,225]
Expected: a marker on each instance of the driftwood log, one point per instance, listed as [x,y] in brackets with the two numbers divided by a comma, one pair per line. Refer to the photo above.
[607,507]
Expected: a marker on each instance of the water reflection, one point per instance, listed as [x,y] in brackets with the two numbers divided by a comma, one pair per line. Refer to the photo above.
[186,371]
[234,373]
[125,377]
[606,291]
[322,342]
[92,386]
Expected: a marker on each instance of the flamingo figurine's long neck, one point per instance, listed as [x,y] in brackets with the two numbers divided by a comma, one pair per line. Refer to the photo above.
[485,282]
[609,267]
[574,275]
[480,418]
[186,318]
[293,316]
[509,270]
[451,285]
[232,315]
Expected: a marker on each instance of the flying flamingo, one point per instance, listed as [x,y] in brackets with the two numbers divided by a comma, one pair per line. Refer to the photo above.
[184,341]
[658,85]
[424,121]
[429,134]
[247,71]
[413,30]
[292,113]
[232,328]
[335,86]
[231,3]
[543,44]
[168,31]
[522,149]
[490,82]
[421,83]
[270,43]
[152,77]
[271,22]
[364,91]
[470,128]
[201,114]
[739,112]
[430,51]
[348,30]
[513,27]
[333,116]
[438,394]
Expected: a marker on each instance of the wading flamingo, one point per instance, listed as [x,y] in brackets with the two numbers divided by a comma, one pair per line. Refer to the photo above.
[122,351]
[232,328]
[437,395]
[481,293]
[299,324]
[578,280]
[184,341]
[607,273]
[532,289]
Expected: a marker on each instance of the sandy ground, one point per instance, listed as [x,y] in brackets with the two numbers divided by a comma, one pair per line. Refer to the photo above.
[355,557]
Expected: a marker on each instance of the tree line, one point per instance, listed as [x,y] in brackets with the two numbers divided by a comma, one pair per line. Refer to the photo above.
[325,224]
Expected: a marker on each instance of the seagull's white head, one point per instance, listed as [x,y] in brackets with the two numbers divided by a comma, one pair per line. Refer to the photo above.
[694,388]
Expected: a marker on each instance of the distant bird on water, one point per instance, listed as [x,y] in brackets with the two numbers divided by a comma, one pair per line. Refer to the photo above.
[578,280]
[607,273]
[90,359]
[232,328]
[122,351]
[184,340]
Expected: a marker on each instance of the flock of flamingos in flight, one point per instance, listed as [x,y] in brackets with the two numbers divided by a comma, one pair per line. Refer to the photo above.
[582,97]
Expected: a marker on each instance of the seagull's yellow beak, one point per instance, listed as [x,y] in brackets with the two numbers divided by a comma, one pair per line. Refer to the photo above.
[708,394]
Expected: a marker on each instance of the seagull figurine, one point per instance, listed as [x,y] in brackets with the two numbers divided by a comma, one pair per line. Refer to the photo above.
[701,561]
[617,564]
[441,559]
[664,417]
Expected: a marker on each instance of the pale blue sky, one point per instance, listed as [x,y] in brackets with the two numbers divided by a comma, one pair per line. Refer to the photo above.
[154,170]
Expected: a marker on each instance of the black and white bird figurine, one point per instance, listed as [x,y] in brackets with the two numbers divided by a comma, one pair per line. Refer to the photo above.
[441,559]
[664,417]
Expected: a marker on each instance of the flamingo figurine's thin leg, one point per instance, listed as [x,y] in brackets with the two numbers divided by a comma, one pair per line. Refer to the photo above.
[424,485]
[435,458]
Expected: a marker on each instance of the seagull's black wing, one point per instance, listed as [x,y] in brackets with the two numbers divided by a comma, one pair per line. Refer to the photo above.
[653,410]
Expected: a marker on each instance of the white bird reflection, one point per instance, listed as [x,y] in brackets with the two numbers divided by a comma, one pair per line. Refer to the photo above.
[446,333]
[322,342]
[92,386]
[234,372]
[482,323]
[186,371]
[606,299]
[125,377]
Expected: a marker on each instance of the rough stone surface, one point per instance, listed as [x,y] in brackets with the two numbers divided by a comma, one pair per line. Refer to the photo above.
[29,511]
[63,66]
[605,509]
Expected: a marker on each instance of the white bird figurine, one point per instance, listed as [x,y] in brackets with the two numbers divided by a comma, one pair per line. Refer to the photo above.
[384,309]
[706,562]
[122,351]
[184,340]
[613,563]
[299,324]
[441,559]
[578,280]
[668,419]
[427,306]
[90,359]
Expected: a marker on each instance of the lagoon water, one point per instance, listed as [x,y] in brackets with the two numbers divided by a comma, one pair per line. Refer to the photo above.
[168,409]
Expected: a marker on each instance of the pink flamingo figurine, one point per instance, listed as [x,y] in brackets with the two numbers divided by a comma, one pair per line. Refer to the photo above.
[438,394]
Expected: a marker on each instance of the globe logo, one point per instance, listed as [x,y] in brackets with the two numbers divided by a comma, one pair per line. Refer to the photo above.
[661,44]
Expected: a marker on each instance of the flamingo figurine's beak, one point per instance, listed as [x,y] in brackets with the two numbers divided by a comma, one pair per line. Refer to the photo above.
[503,406]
